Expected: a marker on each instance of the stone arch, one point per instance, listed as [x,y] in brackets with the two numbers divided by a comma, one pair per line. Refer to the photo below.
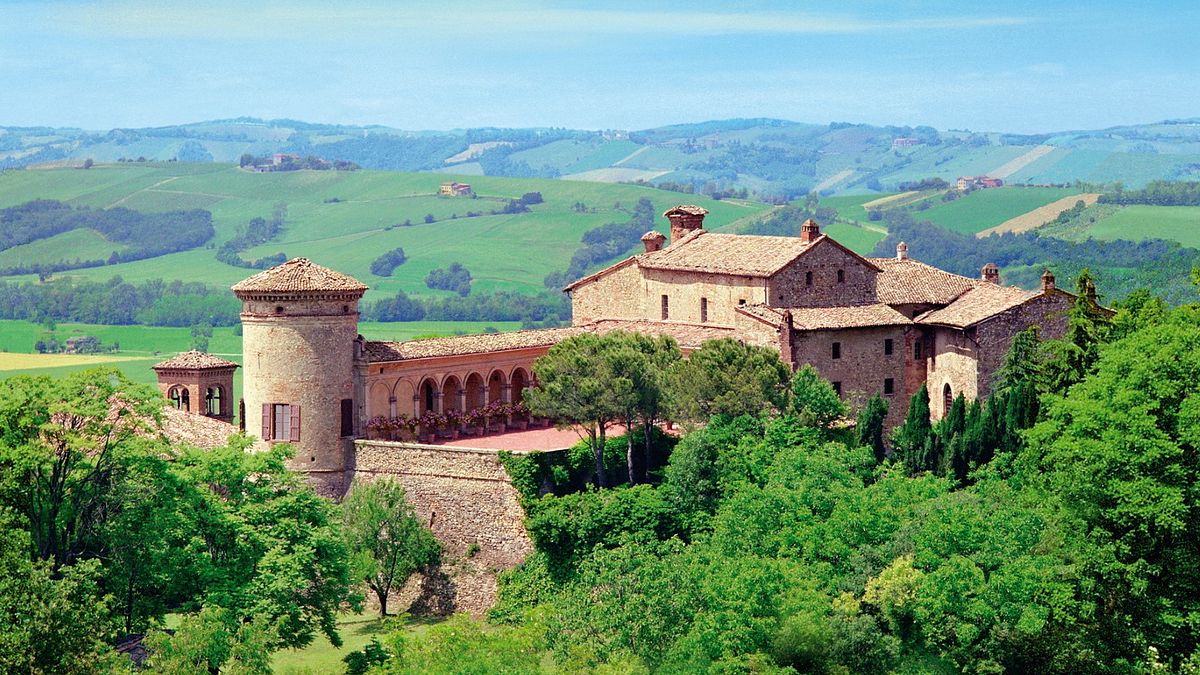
[180,397]
[214,401]
[450,398]
[519,380]
[496,382]
[475,390]
[428,395]
[947,399]
[377,399]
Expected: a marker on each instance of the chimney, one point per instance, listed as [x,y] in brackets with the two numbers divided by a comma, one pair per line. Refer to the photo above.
[685,219]
[990,273]
[1047,281]
[653,241]
[809,231]
[902,251]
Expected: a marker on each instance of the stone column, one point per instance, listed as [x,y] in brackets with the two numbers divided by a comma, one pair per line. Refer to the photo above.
[391,406]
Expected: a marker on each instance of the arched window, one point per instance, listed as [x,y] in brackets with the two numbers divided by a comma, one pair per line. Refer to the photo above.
[180,398]
[212,401]
[947,399]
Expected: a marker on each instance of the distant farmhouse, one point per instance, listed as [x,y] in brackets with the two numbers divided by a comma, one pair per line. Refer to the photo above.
[905,142]
[978,183]
[455,189]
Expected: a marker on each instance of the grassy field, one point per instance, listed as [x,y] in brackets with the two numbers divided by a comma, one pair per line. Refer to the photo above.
[1138,222]
[982,209]
[143,346]
[511,252]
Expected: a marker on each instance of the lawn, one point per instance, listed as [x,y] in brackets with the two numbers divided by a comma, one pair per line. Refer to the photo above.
[345,220]
[1138,222]
[982,209]
[321,657]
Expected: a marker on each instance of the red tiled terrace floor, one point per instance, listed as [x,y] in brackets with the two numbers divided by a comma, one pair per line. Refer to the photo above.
[532,439]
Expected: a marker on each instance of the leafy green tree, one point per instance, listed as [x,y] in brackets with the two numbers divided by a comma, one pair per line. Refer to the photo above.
[813,400]
[575,386]
[1073,357]
[727,377]
[638,365]
[211,641]
[387,542]
[870,426]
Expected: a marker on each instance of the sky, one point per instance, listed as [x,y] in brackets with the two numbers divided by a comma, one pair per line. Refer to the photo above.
[1015,66]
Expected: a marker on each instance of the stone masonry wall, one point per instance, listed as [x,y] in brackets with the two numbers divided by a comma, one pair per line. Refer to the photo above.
[467,499]
[954,361]
[863,365]
[1048,312]
[684,291]
[788,287]
[615,295]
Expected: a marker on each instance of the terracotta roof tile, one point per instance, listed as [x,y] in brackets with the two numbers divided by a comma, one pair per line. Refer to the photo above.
[688,335]
[195,430]
[298,275]
[769,315]
[911,282]
[687,210]
[852,316]
[194,360]
[740,254]
[983,301]
[466,344]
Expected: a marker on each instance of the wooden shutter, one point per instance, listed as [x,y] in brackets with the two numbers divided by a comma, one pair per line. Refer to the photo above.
[266,422]
[295,423]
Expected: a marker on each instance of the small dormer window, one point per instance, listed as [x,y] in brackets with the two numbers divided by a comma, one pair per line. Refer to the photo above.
[841,276]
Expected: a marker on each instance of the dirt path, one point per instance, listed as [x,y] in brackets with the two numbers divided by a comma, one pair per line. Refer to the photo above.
[1041,215]
[887,200]
[1017,163]
[631,155]
[833,180]
[122,199]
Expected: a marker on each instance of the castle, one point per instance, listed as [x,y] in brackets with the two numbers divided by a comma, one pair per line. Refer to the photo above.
[868,325]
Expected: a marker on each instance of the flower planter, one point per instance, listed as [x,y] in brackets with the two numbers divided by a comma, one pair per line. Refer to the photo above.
[518,424]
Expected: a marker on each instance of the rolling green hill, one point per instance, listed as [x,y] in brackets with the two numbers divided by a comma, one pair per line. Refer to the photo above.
[982,209]
[345,220]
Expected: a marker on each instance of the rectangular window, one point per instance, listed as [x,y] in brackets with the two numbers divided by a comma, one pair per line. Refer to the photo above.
[347,417]
[837,350]
[889,385]
[703,310]
[281,422]
[837,388]
[808,278]
[887,347]
[917,350]
[841,276]
[666,309]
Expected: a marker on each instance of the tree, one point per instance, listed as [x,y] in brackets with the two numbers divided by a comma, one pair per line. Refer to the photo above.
[387,542]
[575,387]
[638,364]
[813,400]
[870,426]
[210,641]
[914,439]
[1073,357]
[727,377]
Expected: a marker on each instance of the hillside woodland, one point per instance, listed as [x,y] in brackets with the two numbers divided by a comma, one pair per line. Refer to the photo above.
[1048,529]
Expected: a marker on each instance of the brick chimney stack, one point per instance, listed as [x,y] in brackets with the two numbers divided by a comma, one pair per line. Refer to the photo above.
[685,219]
[653,241]
[990,273]
[809,231]
[902,251]
[1047,281]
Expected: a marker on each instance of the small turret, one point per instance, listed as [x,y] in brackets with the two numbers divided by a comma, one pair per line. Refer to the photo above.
[902,251]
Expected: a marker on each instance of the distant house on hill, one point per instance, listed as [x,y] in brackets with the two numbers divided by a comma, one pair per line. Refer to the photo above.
[83,344]
[279,158]
[978,183]
[455,189]
[905,142]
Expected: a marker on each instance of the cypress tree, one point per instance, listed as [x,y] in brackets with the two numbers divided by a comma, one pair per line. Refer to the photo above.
[913,440]
[870,426]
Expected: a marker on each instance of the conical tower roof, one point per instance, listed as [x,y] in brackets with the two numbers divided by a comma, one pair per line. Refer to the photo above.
[299,275]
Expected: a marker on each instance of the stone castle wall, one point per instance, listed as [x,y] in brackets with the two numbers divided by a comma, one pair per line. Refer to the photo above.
[862,366]
[1048,312]
[684,291]
[468,501]
[789,287]
[614,295]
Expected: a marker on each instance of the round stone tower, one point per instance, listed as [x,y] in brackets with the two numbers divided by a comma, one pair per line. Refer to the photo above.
[299,325]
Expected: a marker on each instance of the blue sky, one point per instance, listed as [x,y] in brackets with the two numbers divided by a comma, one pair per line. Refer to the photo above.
[1020,66]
